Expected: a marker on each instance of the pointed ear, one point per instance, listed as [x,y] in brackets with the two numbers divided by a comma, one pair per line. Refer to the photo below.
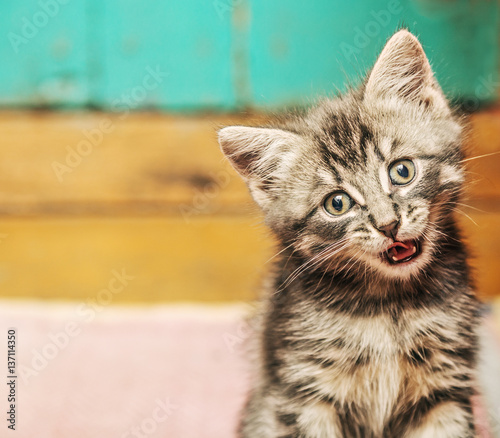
[257,154]
[402,70]
[253,152]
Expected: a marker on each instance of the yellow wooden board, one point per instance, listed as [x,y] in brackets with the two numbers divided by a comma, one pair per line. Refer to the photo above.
[483,140]
[110,164]
[170,260]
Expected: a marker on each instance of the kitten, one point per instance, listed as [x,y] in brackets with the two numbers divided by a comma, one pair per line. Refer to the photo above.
[369,325]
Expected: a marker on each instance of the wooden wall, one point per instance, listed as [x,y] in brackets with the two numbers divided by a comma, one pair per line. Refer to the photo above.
[86,195]
[83,195]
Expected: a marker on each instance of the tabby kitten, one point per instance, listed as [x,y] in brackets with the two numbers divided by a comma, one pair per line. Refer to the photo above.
[369,325]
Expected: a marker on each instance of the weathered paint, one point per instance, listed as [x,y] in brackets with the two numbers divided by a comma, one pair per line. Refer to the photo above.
[43,49]
[229,54]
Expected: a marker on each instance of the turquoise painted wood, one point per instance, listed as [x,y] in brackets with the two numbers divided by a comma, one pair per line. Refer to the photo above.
[190,55]
[44,52]
[185,43]
[312,48]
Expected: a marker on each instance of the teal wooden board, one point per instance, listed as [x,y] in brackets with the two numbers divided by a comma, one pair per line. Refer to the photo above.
[229,54]
[299,50]
[188,41]
[44,53]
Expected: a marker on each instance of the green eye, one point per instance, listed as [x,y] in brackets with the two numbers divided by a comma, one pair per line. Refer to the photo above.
[402,172]
[337,203]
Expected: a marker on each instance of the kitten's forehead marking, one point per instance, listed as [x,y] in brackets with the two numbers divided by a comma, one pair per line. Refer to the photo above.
[385,146]
[355,194]
[331,178]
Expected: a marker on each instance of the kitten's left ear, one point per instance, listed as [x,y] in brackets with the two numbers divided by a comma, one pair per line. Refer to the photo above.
[402,70]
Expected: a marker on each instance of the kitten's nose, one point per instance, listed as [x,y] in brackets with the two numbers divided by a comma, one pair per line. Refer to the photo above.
[390,230]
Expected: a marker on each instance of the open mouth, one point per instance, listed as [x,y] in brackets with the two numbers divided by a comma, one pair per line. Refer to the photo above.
[402,252]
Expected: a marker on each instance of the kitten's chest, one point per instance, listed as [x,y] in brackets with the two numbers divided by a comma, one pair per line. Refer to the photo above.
[367,362]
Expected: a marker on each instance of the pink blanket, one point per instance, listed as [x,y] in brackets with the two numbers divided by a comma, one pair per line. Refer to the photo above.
[173,372]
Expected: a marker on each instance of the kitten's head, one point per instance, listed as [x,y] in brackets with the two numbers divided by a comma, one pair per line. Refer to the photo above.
[366,179]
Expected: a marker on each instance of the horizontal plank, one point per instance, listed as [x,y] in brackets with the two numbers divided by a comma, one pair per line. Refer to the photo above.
[483,140]
[170,260]
[155,197]
[129,39]
[142,164]
[481,232]
[216,258]
[72,163]
[46,45]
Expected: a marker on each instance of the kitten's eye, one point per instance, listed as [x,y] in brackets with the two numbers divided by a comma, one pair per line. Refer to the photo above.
[337,203]
[402,172]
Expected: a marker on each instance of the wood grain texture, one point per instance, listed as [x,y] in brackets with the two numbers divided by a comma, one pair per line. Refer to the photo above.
[140,163]
[156,198]
[484,173]
[482,236]
[209,259]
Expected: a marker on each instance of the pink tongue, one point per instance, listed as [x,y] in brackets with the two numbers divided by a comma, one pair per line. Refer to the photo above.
[401,250]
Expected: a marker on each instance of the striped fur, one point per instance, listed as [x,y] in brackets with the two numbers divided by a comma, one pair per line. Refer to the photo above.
[348,344]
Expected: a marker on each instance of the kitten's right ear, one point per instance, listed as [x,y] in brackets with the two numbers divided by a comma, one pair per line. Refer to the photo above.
[254,152]
[257,154]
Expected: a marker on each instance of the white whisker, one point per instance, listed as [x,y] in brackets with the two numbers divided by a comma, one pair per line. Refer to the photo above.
[466,215]
[479,156]
[470,206]
[315,261]
[278,253]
